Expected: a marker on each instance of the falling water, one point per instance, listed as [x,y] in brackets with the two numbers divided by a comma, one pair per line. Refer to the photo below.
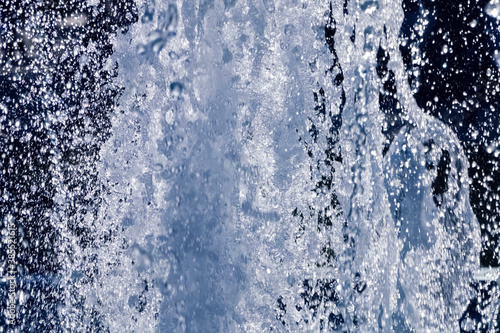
[244,175]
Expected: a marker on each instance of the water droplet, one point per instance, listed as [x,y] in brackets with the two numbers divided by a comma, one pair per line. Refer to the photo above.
[493,9]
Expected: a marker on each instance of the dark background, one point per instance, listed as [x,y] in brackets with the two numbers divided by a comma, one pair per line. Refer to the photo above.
[464,94]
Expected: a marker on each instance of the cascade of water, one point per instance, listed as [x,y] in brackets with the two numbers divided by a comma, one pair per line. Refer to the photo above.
[219,166]
[438,241]
[218,108]
[369,261]
[267,169]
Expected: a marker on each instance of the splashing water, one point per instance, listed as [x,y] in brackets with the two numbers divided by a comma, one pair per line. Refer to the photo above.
[228,215]
[253,180]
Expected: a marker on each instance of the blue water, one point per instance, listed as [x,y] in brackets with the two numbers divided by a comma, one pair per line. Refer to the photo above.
[242,166]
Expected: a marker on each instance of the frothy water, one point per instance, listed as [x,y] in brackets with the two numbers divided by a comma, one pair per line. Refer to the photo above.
[228,216]
[254,181]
